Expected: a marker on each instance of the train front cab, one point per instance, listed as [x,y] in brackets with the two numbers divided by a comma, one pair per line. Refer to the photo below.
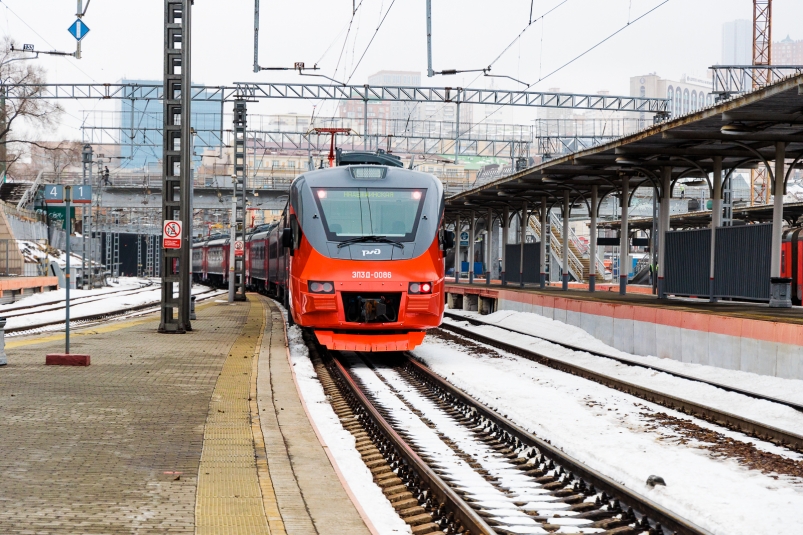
[356,292]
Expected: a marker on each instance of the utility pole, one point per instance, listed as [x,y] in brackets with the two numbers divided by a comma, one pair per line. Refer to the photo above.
[177,164]
[239,188]
[232,237]
[86,225]
[256,36]
[430,72]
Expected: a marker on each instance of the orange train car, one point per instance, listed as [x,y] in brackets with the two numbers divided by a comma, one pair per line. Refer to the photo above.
[357,256]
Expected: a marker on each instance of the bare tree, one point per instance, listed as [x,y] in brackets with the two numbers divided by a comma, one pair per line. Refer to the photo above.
[20,107]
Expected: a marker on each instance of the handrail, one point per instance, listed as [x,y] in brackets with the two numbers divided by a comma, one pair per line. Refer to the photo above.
[575,265]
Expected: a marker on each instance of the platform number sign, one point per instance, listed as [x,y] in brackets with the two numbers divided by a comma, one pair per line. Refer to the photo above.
[239,247]
[171,234]
[82,194]
[54,194]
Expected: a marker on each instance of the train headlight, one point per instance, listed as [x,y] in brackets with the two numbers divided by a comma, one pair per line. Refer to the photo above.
[420,288]
[317,287]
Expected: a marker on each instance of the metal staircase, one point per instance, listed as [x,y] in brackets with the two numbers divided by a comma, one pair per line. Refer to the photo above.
[579,259]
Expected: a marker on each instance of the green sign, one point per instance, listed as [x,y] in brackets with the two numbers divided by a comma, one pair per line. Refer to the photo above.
[56,213]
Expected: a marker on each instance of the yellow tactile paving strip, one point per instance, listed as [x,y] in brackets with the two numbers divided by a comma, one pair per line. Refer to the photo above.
[229,499]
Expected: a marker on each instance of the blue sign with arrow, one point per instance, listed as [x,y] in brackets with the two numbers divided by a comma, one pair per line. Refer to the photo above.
[78,29]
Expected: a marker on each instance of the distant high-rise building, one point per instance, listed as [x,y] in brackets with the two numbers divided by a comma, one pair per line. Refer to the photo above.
[787,52]
[145,124]
[737,42]
[685,96]
[399,110]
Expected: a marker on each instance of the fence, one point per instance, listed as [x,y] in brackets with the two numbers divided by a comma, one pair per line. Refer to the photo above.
[741,262]
[11,262]
[688,262]
[743,258]
[532,262]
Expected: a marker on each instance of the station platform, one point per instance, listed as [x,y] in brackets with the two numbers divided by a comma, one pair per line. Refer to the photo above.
[12,288]
[200,433]
[735,335]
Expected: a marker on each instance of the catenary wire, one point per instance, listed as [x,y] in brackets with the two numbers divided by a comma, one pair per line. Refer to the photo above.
[573,60]
[371,41]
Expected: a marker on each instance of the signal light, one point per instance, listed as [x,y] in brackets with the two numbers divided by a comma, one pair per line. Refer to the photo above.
[321,287]
[420,288]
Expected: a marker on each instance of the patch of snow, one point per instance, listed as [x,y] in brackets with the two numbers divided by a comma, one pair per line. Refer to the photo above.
[111,302]
[604,429]
[340,442]
[767,412]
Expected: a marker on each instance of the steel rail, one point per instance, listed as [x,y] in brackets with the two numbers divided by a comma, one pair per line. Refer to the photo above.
[95,317]
[642,505]
[630,362]
[716,416]
[56,305]
[441,492]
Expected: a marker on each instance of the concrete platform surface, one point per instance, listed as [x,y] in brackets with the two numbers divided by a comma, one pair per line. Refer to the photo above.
[161,434]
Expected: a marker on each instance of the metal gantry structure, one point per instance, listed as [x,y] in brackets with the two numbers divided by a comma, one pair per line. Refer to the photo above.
[177,162]
[364,93]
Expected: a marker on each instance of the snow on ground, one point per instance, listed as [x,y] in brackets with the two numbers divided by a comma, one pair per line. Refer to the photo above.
[34,252]
[112,302]
[605,429]
[340,442]
[766,412]
[58,296]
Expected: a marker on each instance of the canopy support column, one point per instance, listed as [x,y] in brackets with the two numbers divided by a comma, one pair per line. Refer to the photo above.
[592,241]
[624,238]
[544,238]
[565,256]
[663,227]
[489,227]
[716,222]
[522,238]
[471,234]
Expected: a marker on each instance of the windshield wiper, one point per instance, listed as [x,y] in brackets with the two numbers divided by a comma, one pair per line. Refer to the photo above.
[371,239]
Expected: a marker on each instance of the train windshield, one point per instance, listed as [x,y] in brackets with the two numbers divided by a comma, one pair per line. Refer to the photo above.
[349,213]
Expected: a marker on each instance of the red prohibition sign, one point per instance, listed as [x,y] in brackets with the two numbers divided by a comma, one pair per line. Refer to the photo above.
[172,230]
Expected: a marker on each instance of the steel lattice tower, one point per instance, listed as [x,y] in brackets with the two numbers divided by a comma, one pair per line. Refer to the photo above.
[176,173]
[240,187]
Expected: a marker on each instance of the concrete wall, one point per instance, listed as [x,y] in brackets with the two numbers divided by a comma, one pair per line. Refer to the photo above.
[762,347]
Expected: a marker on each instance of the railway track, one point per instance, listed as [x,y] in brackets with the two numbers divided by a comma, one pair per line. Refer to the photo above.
[49,306]
[83,321]
[713,415]
[449,464]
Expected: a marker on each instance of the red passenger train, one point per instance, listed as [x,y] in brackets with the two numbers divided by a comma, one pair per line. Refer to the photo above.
[357,255]
[792,261]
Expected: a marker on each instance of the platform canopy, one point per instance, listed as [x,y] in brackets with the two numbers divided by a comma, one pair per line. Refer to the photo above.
[743,131]
[792,212]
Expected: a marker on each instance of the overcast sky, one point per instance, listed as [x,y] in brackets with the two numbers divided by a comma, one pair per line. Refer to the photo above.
[126,40]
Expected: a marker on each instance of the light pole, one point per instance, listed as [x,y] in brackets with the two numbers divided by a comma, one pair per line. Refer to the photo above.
[232,236]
